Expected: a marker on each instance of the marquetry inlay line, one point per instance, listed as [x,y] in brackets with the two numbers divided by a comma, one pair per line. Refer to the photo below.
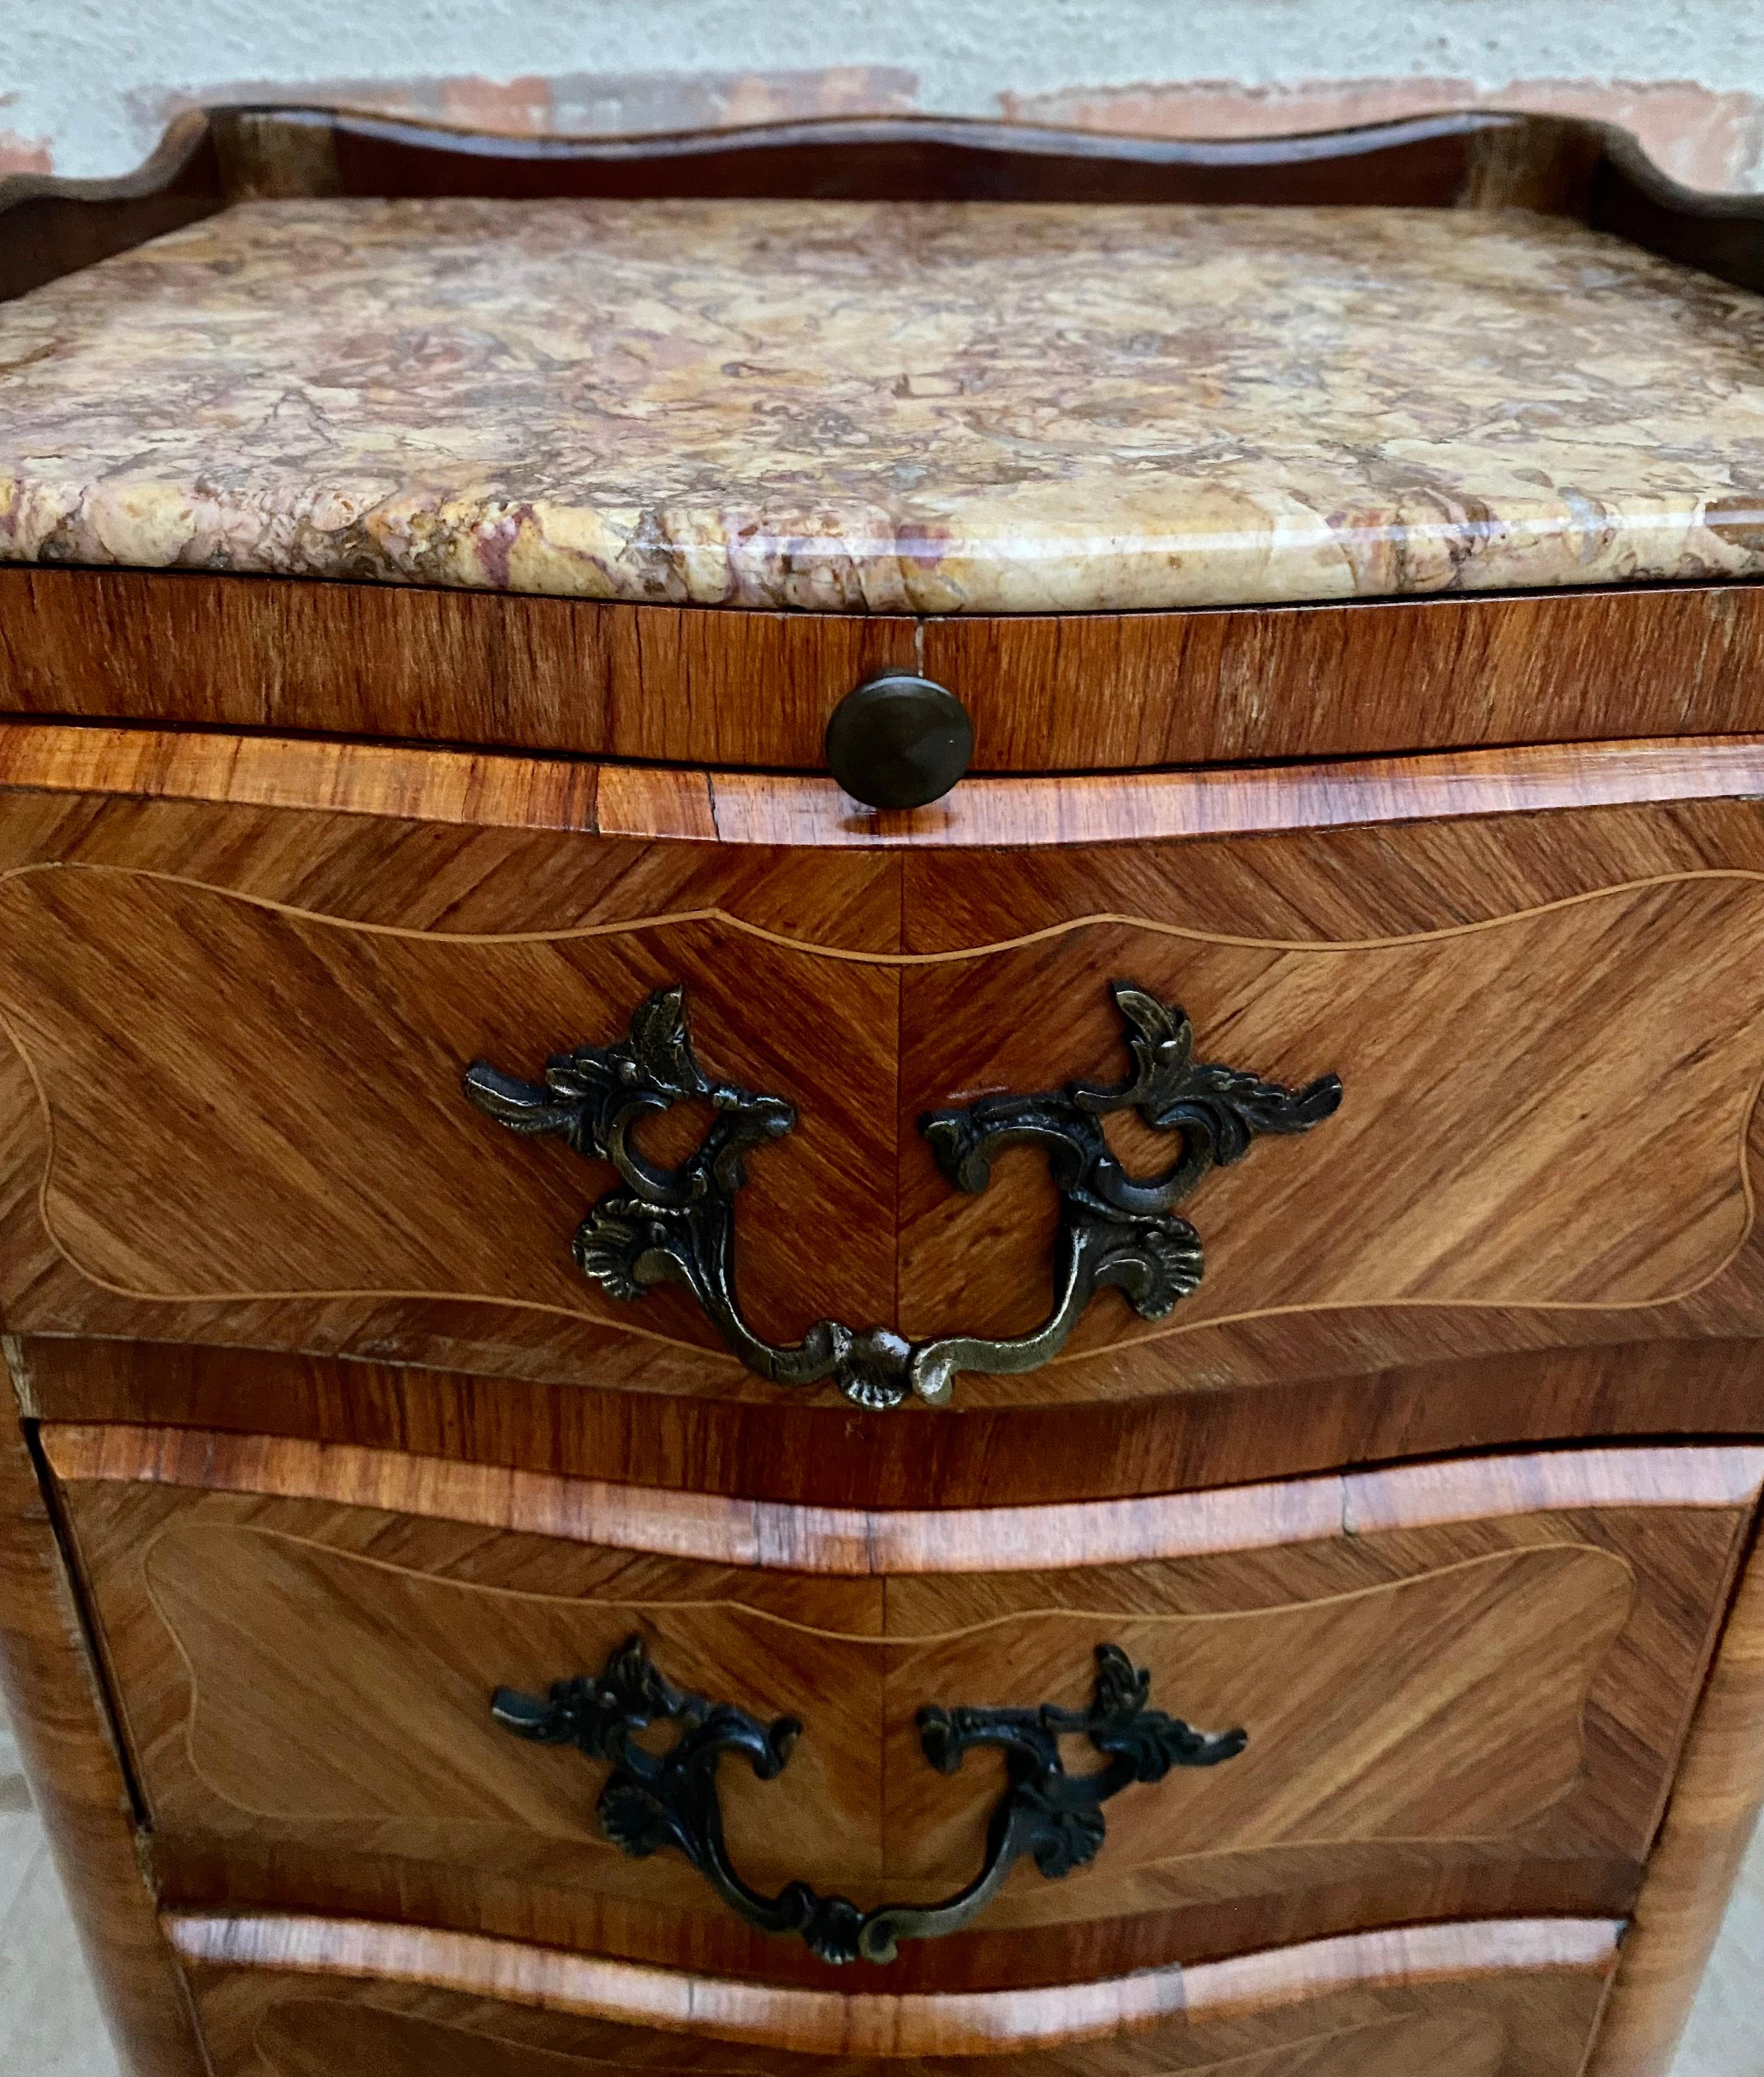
[859,1542]
[1068,927]
[872,2023]
[1175,1326]
[513,790]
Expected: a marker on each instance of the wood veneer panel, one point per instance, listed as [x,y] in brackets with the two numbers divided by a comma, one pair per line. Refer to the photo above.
[1503,1999]
[296,1129]
[321,1068]
[1356,906]
[1499,1081]
[1083,693]
[1465,1693]
[58,1716]
[1103,691]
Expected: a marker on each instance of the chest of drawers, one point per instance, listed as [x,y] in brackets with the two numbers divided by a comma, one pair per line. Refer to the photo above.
[1087,1391]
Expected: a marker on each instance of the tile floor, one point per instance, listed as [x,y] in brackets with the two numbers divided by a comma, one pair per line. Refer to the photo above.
[49,2025]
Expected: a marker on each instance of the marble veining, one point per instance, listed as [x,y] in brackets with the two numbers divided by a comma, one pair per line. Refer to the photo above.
[939,408]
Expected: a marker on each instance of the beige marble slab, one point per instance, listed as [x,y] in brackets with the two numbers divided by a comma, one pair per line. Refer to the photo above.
[919,408]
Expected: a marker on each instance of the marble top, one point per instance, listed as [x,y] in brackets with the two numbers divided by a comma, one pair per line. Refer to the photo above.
[940,408]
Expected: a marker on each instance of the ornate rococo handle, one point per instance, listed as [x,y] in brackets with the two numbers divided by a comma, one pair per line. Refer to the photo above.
[655,1799]
[678,1224]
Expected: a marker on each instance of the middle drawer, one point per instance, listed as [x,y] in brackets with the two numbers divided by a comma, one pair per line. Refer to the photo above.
[1461,1689]
[1374,1097]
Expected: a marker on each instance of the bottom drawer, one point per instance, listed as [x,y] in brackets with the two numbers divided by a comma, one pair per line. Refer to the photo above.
[1446,1692]
[307,1997]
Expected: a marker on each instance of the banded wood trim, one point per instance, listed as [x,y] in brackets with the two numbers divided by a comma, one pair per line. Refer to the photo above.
[1115,808]
[59,1718]
[1709,1823]
[497,790]
[1408,1953]
[872,2024]
[856,1542]
[798,1454]
[1464,1489]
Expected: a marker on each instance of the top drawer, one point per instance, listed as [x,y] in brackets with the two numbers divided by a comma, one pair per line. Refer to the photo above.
[237,1113]
[1076,692]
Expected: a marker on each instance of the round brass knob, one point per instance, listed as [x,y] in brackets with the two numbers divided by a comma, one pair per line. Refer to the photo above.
[899,741]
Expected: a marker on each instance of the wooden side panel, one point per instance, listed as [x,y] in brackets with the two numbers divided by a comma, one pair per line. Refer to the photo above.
[59,1719]
[1709,1824]
[1086,692]
[289,1998]
[1474,1701]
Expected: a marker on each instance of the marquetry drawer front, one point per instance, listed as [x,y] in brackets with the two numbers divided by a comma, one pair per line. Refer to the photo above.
[1005,1127]
[315,1998]
[1149,1731]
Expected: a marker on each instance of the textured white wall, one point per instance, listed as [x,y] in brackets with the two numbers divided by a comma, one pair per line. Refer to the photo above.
[86,85]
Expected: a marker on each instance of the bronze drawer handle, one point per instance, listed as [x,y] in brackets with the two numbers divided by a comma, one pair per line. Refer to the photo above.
[655,1799]
[679,1224]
